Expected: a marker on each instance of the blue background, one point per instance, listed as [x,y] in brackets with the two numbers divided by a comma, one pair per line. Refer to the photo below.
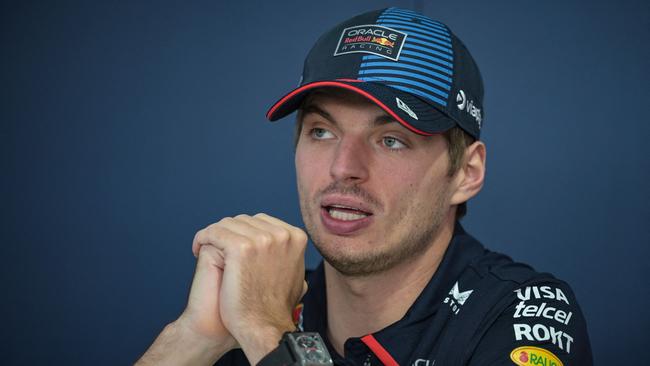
[128,126]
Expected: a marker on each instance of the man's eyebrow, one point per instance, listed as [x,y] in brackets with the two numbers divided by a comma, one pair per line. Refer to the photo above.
[379,121]
[384,119]
[310,108]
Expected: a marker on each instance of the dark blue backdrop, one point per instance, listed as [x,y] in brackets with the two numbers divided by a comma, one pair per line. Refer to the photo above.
[127,126]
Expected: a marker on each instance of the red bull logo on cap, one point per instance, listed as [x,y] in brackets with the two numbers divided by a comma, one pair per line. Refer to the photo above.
[383,41]
[374,39]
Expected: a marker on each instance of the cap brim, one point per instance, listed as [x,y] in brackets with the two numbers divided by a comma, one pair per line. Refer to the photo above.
[423,118]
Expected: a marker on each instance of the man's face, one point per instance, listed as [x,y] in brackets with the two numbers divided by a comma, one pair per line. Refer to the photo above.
[372,193]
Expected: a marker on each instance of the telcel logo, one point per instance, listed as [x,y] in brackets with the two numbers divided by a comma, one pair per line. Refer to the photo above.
[528,355]
[469,107]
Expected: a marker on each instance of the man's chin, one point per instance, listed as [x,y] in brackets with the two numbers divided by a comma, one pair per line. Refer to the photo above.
[358,263]
[357,268]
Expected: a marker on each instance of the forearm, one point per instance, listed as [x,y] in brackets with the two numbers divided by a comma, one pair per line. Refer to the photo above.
[177,345]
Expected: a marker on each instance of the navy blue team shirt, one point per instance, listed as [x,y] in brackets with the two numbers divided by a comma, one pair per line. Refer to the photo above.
[479,308]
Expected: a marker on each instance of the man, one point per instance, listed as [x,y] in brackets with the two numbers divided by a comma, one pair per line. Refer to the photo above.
[387,155]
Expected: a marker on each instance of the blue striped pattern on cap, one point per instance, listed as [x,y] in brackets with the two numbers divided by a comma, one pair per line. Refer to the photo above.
[425,65]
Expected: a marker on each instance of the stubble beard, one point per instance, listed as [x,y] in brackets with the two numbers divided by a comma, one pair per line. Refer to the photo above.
[424,220]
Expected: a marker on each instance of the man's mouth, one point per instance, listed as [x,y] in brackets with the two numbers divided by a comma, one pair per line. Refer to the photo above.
[346,213]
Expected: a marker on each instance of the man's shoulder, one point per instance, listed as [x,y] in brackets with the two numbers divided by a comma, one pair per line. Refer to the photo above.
[504,268]
[522,310]
[471,254]
[518,281]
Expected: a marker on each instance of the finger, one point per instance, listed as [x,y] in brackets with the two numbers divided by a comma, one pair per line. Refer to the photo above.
[280,233]
[195,245]
[220,237]
[297,234]
[208,231]
[211,255]
[258,234]
[199,236]
[203,298]
[305,287]
[274,220]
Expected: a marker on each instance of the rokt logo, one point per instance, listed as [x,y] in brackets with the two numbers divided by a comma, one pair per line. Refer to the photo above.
[469,107]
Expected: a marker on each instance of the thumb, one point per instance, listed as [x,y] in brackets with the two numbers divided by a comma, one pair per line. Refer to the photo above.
[305,287]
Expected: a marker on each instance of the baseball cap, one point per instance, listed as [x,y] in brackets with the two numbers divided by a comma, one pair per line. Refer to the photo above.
[411,66]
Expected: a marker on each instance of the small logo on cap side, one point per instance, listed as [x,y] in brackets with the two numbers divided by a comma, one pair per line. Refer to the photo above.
[469,107]
[462,99]
[401,105]
[373,39]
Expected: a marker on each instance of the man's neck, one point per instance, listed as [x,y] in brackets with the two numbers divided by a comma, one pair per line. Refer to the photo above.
[357,306]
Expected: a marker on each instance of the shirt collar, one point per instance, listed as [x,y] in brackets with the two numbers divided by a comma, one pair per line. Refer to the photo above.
[460,252]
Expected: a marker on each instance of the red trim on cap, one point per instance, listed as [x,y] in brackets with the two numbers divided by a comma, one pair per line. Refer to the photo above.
[349,87]
[379,351]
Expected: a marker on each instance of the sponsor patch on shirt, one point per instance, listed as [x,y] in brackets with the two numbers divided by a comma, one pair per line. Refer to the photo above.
[373,39]
[457,298]
[528,355]
[543,314]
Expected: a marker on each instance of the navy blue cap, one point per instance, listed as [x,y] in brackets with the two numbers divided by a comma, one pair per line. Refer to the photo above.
[410,65]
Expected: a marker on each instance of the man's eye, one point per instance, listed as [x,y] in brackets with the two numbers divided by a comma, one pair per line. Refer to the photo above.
[320,133]
[393,143]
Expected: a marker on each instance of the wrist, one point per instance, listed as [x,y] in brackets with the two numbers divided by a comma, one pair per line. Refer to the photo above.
[257,341]
[179,345]
[299,348]
[206,347]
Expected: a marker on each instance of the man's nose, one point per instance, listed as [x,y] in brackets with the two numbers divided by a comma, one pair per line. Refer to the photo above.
[351,161]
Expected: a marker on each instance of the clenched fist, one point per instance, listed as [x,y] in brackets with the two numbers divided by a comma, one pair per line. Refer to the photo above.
[249,277]
[257,278]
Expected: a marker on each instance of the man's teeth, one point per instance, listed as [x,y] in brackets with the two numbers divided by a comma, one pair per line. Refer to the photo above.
[345,216]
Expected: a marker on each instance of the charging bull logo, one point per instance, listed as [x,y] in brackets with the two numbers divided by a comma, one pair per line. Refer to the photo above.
[371,38]
[383,41]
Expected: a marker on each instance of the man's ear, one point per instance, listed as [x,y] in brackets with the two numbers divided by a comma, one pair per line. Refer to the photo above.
[469,178]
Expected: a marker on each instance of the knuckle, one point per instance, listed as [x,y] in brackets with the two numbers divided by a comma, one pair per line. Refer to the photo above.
[197,236]
[282,234]
[264,238]
[201,236]
[245,247]
[213,229]
[224,221]
[225,224]
[300,236]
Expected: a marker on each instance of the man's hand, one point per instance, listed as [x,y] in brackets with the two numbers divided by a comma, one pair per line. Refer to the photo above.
[202,314]
[262,259]
[198,336]
[249,276]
